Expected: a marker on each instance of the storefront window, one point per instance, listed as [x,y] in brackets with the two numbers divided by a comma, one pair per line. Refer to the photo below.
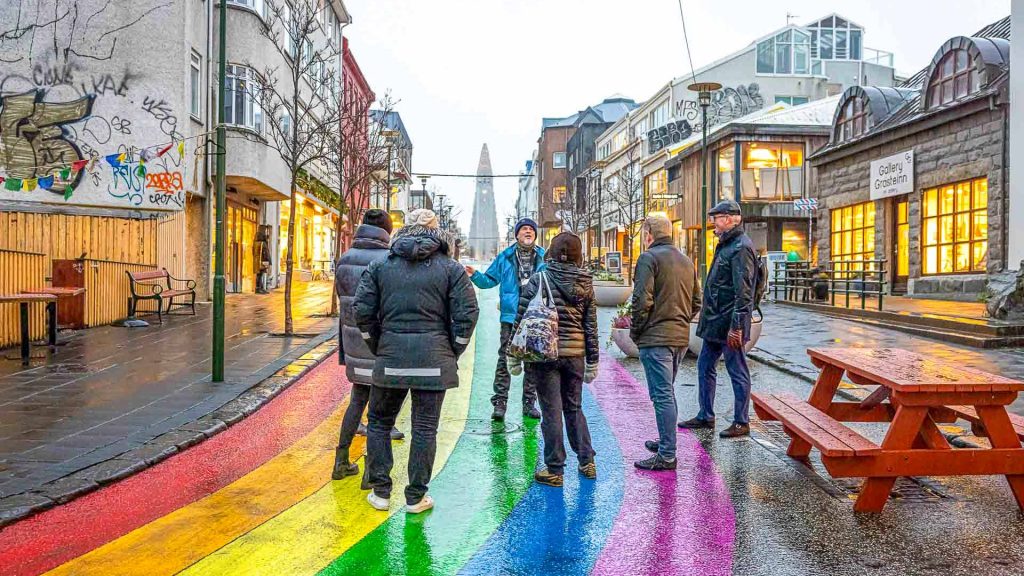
[955,227]
[656,189]
[772,171]
[794,238]
[726,173]
[853,236]
[903,239]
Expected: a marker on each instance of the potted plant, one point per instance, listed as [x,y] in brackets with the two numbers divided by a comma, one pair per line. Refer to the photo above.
[610,289]
[620,331]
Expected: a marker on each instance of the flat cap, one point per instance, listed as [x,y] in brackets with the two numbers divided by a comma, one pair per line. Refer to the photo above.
[725,207]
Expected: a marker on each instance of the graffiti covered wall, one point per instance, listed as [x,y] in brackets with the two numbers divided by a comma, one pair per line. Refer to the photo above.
[92,100]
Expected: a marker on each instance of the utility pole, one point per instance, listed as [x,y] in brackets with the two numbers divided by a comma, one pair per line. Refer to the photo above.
[218,270]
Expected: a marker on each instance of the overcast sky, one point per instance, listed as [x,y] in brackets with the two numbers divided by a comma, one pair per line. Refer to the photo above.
[473,71]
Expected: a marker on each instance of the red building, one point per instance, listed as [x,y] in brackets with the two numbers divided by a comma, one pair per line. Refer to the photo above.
[357,99]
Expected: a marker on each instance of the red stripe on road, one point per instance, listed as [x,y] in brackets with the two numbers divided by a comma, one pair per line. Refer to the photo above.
[54,537]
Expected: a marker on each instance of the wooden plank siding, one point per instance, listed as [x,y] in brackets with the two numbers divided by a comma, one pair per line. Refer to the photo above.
[171,244]
[107,291]
[19,271]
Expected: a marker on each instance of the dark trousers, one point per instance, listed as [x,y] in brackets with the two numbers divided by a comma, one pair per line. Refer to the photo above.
[385,404]
[560,390]
[502,379]
[357,401]
[707,380]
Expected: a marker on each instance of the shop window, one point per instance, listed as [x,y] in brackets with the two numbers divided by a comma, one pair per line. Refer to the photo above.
[794,238]
[955,227]
[656,190]
[953,78]
[558,194]
[903,239]
[726,181]
[854,121]
[853,237]
[772,171]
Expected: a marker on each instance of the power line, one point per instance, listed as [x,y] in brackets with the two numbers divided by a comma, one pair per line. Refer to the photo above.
[419,174]
[686,39]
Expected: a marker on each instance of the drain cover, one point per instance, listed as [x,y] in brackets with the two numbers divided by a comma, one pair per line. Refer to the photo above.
[488,427]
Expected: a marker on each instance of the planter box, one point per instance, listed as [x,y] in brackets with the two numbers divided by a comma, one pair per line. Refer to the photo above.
[697,343]
[621,338]
[608,293]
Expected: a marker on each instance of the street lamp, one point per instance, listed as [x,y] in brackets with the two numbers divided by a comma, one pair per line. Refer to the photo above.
[599,167]
[704,90]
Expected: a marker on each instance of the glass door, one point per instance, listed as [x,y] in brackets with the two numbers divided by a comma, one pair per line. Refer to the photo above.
[901,246]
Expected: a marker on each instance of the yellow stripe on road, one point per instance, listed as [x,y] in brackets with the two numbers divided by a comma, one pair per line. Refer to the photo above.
[310,535]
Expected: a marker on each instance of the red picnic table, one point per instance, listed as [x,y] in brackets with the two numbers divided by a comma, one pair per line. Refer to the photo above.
[913,393]
[50,296]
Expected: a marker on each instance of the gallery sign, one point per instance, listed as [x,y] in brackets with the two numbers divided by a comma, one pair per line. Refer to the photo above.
[893,175]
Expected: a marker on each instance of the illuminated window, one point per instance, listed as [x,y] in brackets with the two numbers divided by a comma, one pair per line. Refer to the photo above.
[902,239]
[656,190]
[853,236]
[953,78]
[955,227]
[726,173]
[772,171]
[558,194]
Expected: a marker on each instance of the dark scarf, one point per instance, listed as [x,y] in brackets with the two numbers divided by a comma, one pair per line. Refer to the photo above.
[526,262]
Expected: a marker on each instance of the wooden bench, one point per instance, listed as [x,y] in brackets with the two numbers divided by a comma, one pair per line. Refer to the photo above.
[815,427]
[978,427]
[157,291]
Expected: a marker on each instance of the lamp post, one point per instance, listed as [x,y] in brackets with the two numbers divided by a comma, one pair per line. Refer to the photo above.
[599,167]
[217,374]
[704,90]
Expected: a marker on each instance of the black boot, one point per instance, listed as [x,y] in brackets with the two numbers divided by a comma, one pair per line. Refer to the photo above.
[530,411]
[499,412]
[342,467]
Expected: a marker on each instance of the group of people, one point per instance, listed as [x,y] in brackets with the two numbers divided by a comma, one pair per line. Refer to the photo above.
[408,311]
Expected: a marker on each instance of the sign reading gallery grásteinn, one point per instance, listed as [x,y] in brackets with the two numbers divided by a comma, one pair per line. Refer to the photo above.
[892,176]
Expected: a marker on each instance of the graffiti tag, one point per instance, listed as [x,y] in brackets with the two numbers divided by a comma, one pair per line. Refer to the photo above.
[35,142]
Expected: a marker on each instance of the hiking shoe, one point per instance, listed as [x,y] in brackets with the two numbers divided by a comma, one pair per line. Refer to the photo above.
[531,411]
[361,429]
[696,423]
[656,463]
[377,502]
[589,470]
[397,434]
[342,467]
[548,479]
[735,431]
[651,445]
[499,412]
[425,503]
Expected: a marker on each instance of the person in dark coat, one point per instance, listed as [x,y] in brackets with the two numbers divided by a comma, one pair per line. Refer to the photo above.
[666,296]
[560,383]
[416,310]
[725,320]
[510,270]
[370,244]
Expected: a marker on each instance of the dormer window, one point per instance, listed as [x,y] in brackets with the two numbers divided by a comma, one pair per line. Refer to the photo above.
[954,77]
[854,121]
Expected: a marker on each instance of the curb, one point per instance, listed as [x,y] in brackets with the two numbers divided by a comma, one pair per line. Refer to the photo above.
[20,506]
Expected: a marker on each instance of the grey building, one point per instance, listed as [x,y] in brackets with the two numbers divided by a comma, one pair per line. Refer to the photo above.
[917,175]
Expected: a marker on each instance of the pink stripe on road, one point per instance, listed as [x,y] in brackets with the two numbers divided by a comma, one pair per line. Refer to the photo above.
[681,523]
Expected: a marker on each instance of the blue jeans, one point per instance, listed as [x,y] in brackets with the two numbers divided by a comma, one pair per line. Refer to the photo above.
[736,365]
[661,363]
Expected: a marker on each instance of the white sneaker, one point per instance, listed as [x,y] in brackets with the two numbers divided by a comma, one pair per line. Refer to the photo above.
[377,502]
[422,506]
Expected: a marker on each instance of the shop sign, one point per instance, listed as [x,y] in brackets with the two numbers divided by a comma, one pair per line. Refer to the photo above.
[892,176]
[613,262]
[776,262]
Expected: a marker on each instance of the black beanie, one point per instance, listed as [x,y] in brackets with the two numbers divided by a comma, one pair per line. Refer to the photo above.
[566,247]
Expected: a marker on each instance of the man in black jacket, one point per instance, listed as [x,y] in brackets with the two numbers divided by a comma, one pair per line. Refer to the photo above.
[416,310]
[666,294]
[725,320]
[369,245]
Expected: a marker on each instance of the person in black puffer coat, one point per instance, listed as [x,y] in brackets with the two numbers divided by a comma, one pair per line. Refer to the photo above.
[560,383]
[370,244]
[416,310]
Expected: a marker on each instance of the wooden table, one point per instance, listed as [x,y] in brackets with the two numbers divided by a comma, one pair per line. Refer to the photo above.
[913,393]
[23,300]
[51,309]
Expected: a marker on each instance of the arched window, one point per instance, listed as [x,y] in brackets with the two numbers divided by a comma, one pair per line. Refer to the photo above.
[953,78]
[854,120]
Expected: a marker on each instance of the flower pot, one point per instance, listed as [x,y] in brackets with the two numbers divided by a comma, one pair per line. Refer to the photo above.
[622,339]
[607,293]
[696,342]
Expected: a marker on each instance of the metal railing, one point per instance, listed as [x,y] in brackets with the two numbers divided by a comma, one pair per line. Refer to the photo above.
[800,281]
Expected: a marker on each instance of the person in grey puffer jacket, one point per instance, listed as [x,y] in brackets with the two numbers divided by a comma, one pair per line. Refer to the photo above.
[560,383]
[370,244]
[416,310]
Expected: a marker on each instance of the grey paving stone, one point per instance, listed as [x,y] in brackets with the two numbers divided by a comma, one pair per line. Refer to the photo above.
[16,507]
[67,489]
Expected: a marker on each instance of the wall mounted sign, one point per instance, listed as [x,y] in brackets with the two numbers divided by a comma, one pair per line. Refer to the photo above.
[893,175]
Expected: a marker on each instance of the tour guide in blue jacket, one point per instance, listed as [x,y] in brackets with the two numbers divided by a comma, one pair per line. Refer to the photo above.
[512,269]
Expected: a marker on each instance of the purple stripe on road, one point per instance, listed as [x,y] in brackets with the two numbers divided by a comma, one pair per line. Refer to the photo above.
[669,523]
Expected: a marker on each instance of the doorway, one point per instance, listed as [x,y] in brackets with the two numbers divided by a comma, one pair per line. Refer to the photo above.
[901,245]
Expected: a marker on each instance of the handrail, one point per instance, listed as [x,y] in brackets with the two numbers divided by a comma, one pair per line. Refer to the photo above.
[863,278]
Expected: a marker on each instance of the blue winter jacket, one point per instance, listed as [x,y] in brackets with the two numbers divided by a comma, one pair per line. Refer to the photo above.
[504,271]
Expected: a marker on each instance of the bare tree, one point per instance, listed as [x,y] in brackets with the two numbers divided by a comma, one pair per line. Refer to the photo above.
[626,191]
[574,210]
[297,100]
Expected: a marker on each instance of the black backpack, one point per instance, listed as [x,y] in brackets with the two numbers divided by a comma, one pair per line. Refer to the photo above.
[760,284]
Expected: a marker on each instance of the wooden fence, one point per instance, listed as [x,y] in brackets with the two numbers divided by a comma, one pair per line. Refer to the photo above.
[21,271]
[67,236]
[107,291]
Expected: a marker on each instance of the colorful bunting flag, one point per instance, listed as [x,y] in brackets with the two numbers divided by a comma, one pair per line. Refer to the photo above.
[67,192]
[29,184]
[181,149]
[65,174]
[46,182]
[164,149]
[113,159]
[13,184]
[78,165]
